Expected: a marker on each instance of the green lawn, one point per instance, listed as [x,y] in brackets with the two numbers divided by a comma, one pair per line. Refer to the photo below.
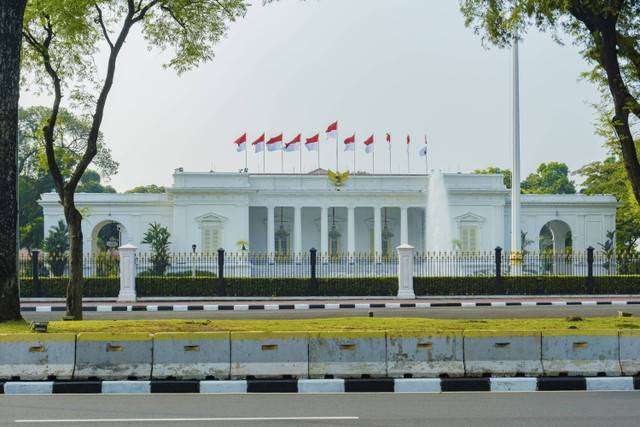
[333,324]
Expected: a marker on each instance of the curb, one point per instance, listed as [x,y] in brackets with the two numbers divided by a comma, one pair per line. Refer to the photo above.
[108,308]
[304,386]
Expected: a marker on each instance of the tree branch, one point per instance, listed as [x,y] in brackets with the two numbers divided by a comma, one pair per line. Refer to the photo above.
[169,10]
[224,8]
[103,26]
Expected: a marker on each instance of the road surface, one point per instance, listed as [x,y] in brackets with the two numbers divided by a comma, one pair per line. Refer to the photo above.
[583,409]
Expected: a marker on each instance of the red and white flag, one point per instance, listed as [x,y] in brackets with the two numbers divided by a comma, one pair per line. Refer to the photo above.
[312,143]
[408,139]
[368,144]
[389,140]
[258,144]
[423,150]
[241,143]
[350,143]
[332,131]
[275,143]
[293,145]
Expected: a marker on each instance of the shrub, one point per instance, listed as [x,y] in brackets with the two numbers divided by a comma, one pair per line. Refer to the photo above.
[56,287]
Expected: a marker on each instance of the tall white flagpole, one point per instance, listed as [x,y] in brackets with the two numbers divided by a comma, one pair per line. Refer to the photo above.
[408,157]
[318,147]
[426,156]
[300,154]
[373,160]
[516,244]
[281,159]
[354,157]
[389,146]
[246,160]
[264,156]
[337,145]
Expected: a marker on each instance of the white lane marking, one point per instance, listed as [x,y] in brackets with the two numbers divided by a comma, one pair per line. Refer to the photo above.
[183,420]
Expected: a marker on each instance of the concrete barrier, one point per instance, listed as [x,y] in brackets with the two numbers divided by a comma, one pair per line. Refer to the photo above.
[112,356]
[422,354]
[349,354]
[581,352]
[191,355]
[37,356]
[269,354]
[630,352]
[504,353]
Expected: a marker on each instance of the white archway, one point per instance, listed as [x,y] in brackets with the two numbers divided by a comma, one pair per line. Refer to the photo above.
[556,247]
[108,234]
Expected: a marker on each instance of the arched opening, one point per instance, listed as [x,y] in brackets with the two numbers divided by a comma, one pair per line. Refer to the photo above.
[556,247]
[107,236]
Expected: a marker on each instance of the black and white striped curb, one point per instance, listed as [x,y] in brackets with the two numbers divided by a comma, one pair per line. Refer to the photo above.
[382,385]
[108,308]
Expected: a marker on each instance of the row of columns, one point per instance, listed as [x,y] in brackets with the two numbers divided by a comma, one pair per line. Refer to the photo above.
[324,228]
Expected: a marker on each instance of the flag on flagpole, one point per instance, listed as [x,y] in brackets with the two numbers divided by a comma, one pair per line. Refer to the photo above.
[332,131]
[312,143]
[275,143]
[293,145]
[369,143]
[389,140]
[408,139]
[258,144]
[423,150]
[350,143]
[241,143]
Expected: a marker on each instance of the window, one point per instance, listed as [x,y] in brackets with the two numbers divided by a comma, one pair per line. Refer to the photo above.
[469,238]
[210,238]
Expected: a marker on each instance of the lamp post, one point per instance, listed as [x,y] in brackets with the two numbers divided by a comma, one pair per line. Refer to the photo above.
[193,260]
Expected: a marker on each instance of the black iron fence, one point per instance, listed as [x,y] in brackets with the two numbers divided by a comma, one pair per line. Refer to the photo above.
[313,264]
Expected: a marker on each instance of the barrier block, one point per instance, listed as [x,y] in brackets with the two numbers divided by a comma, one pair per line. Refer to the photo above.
[424,354]
[504,353]
[630,352]
[113,356]
[35,356]
[581,352]
[191,355]
[349,354]
[269,354]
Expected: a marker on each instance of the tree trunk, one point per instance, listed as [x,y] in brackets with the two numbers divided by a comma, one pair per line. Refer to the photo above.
[76,279]
[11,14]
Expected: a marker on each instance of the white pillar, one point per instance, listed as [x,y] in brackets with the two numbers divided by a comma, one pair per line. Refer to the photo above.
[324,230]
[377,230]
[271,238]
[404,227]
[297,224]
[127,273]
[351,230]
[405,272]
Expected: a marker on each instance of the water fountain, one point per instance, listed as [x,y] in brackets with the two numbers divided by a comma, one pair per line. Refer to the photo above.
[439,235]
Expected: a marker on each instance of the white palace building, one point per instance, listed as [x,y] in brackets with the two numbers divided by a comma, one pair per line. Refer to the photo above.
[296,212]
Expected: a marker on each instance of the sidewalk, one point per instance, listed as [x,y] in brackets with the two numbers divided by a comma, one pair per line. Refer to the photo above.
[218,304]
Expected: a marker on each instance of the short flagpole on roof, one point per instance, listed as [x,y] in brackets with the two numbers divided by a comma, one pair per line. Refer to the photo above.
[300,155]
[246,158]
[281,160]
[389,144]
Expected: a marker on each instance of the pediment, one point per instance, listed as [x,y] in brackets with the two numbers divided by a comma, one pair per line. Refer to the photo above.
[211,218]
[470,217]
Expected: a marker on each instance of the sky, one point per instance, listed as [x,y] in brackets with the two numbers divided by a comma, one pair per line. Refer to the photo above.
[376,66]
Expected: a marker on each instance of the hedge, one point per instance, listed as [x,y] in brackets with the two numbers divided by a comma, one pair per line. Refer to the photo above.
[57,287]
[264,287]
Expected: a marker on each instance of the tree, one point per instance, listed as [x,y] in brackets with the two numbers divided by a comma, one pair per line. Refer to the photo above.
[70,143]
[493,170]
[147,189]
[56,245]
[61,40]
[157,236]
[11,15]
[609,177]
[607,33]
[550,178]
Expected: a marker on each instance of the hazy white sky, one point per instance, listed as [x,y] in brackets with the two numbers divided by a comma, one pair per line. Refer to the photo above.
[398,66]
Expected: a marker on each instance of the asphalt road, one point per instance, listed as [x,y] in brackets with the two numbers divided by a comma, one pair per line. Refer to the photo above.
[439,312]
[464,409]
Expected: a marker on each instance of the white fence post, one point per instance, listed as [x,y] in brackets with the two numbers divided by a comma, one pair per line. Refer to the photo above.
[405,272]
[127,273]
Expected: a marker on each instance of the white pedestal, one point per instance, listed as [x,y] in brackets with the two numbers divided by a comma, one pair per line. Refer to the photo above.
[405,272]
[127,273]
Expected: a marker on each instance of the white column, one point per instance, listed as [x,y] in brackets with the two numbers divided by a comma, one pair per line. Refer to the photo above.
[377,230]
[271,238]
[426,231]
[405,272]
[324,229]
[297,225]
[127,273]
[351,230]
[404,227]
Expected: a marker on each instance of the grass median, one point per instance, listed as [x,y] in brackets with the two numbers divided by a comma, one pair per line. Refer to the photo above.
[333,324]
